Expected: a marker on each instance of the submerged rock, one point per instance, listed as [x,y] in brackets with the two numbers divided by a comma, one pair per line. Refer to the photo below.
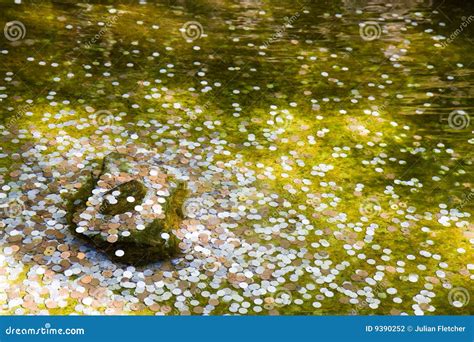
[128,209]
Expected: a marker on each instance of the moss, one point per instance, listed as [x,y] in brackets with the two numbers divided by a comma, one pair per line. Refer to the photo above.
[133,188]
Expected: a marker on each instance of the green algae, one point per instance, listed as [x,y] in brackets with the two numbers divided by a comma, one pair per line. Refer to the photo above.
[141,247]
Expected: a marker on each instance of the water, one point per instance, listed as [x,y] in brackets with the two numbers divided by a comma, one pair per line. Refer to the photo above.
[353,116]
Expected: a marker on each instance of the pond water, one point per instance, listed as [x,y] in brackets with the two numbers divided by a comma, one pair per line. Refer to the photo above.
[327,147]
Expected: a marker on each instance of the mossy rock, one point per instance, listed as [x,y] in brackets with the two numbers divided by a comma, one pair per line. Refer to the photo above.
[112,227]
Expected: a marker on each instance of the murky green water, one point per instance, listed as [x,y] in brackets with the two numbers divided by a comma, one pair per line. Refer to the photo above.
[339,133]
